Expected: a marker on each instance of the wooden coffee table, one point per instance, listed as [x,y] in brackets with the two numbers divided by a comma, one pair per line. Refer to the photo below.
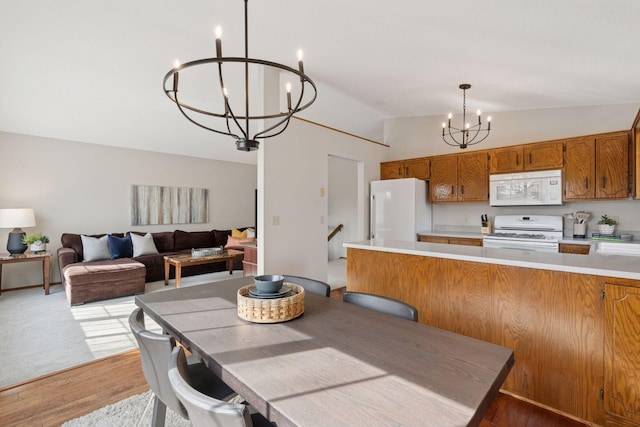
[185,260]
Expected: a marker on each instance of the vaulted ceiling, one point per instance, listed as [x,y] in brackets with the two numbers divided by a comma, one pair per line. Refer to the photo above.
[91,71]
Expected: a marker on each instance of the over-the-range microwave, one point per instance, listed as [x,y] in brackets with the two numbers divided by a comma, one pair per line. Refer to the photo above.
[526,188]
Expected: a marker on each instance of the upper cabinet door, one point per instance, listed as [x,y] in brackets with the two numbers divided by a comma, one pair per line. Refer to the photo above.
[579,169]
[506,160]
[612,167]
[473,177]
[444,179]
[417,168]
[391,170]
[543,156]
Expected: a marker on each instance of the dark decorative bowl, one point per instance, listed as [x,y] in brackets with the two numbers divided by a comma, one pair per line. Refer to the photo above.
[269,283]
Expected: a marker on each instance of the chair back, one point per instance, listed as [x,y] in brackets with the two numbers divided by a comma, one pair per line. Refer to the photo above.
[382,304]
[310,285]
[204,411]
[155,351]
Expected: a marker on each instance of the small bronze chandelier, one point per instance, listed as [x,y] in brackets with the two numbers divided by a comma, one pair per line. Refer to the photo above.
[468,135]
[237,124]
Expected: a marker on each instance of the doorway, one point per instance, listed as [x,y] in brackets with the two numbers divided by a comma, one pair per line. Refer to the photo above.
[342,210]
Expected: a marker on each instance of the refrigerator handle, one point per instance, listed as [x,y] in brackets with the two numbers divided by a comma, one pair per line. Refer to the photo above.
[372,216]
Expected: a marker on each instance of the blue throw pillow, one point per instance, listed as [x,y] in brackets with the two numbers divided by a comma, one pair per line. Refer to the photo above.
[120,247]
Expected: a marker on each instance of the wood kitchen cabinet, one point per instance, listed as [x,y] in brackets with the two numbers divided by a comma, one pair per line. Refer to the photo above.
[622,355]
[443,183]
[460,178]
[411,168]
[568,248]
[530,157]
[506,160]
[543,155]
[597,167]
[467,241]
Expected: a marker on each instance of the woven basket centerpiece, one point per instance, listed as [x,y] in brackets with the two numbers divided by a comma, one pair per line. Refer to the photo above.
[271,310]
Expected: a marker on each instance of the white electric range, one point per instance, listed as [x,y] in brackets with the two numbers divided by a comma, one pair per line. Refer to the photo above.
[541,233]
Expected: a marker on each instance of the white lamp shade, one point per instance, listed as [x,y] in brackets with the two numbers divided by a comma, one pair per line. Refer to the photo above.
[17,218]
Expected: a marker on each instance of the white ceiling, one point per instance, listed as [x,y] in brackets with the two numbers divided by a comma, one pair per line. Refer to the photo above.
[91,71]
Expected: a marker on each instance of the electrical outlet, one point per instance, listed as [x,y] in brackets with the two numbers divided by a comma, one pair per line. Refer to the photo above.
[616,219]
[275,220]
[466,219]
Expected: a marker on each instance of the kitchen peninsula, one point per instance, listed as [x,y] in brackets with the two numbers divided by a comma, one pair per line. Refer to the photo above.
[572,320]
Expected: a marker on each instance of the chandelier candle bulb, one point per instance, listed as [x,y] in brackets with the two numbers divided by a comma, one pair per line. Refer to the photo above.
[218,42]
[288,86]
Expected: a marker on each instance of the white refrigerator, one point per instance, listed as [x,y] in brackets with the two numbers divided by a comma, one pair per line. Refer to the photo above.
[399,209]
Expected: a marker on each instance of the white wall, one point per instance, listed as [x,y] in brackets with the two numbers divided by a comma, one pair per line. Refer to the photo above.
[86,188]
[343,204]
[292,169]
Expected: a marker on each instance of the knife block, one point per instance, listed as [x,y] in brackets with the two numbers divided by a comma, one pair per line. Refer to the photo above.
[486,229]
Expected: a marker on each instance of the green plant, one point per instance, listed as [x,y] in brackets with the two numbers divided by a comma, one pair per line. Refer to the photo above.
[30,239]
[605,220]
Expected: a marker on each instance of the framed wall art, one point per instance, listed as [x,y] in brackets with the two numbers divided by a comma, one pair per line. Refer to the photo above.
[154,204]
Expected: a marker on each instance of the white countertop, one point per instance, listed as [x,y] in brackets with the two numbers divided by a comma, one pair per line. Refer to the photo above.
[595,263]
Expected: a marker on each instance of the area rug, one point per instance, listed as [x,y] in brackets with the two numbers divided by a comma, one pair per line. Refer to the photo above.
[131,412]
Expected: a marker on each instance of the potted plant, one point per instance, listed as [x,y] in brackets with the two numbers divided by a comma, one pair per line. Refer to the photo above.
[607,225]
[37,242]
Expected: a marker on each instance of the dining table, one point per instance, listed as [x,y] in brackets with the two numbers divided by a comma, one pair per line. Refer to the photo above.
[338,364]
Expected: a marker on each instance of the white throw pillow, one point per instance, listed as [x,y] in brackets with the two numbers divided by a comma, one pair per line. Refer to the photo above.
[143,245]
[94,249]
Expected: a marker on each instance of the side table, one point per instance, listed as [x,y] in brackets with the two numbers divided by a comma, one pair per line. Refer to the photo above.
[44,257]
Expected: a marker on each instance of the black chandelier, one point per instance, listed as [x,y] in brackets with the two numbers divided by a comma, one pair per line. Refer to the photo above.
[468,134]
[236,124]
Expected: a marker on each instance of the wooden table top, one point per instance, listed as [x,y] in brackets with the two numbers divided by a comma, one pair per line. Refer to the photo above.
[336,365]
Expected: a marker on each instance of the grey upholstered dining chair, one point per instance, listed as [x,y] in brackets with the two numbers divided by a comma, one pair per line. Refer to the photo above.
[310,285]
[205,411]
[382,304]
[155,350]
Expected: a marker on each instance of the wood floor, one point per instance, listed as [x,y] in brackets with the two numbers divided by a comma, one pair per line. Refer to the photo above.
[53,399]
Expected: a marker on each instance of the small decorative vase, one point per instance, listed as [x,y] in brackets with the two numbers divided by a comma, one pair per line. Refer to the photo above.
[606,229]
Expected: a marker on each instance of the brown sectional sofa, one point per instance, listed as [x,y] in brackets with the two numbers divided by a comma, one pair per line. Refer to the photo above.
[95,280]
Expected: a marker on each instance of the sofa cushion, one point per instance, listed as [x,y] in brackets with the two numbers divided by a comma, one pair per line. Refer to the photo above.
[235,243]
[120,247]
[238,234]
[221,237]
[143,245]
[95,249]
[193,239]
[164,241]
[74,241]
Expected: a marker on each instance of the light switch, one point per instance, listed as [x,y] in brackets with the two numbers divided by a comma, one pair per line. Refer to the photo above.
[275,220]
[321,191]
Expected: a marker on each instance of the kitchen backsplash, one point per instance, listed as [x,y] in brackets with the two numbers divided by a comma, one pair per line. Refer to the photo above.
[465,217]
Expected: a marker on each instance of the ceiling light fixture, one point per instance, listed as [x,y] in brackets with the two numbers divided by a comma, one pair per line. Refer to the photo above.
[468,134]
[237,124]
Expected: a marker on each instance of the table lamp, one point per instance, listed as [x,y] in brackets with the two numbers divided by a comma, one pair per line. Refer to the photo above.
[16,219]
